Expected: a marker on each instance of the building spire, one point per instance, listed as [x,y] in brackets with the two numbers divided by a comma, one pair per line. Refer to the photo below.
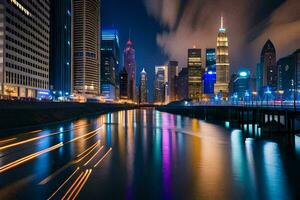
[222,22]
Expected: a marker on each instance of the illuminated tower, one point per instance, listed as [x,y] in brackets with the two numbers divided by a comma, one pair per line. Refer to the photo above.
[130,66]
[195,73]
[222,63]
[86,47]
[268,66]
[143,87]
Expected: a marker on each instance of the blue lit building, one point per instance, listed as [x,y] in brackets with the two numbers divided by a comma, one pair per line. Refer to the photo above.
[61,48]
[110,55]
[210,74]
[211,59]
[209,82]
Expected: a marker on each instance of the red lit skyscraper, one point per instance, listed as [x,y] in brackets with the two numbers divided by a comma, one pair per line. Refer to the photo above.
[130,66]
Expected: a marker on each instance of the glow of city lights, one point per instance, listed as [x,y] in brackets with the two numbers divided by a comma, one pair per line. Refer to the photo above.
[243,74]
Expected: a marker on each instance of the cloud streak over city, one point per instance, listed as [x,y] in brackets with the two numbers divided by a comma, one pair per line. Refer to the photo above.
[196,22]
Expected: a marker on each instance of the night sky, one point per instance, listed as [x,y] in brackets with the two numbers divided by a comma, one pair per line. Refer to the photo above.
[165,29]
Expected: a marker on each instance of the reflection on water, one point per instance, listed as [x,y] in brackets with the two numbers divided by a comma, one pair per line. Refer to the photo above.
[163,156]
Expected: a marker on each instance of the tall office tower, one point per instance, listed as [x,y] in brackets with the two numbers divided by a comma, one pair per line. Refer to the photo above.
[269,67]
[195,73]
[143,87]
[259,78]
[222,63]
[288,74]
[210,72]
[182,84]
[211,59]
[160,85]
[61,47]
[110,55]
[24,48]
[172,73]
[86,47]
[130,66]
[124,84]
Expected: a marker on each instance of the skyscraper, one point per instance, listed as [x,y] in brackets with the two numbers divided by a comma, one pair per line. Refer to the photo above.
[61,47]
[182,84]
[110,54]
[24,48]
[143,87]
[86,47]
[288,74]
[211,59]
[124,84]
[160,85]
[269,67]
[222,63]
[243,84]
[130,66]
[195,73]
[210,72]
[172,73]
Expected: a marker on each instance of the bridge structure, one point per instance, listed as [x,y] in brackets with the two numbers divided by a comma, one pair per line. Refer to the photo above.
[270,118]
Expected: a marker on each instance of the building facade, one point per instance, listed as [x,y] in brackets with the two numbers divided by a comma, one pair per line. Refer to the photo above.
[222,63]
[210,59]
[244,85]
[172,73]
[182,84]
[195,73]
[86,48]
[130,66]
[61,48]
[209,82]
[24,48]
[288,75]
[160,84]
[269,66]
[110,56]
[143,87]
[124,84]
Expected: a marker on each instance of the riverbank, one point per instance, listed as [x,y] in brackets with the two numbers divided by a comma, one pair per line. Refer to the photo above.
[17,114]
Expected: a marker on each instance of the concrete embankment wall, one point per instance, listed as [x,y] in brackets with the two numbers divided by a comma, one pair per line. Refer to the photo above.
[16,114]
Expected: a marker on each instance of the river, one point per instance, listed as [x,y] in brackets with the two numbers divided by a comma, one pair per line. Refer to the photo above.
[146,154]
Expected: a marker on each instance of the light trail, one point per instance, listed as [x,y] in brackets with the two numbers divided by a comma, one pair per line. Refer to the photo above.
[85,135]
[78,180]
[87,162]
[8,140]
[28,158]
[82,185]
[82,181]
[110,149]
[64,183]
[44,136]
[53,175]
[98,142]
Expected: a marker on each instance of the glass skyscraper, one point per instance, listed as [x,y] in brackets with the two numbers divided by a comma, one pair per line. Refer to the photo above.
[110,55]
[61,47]
[210,73]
